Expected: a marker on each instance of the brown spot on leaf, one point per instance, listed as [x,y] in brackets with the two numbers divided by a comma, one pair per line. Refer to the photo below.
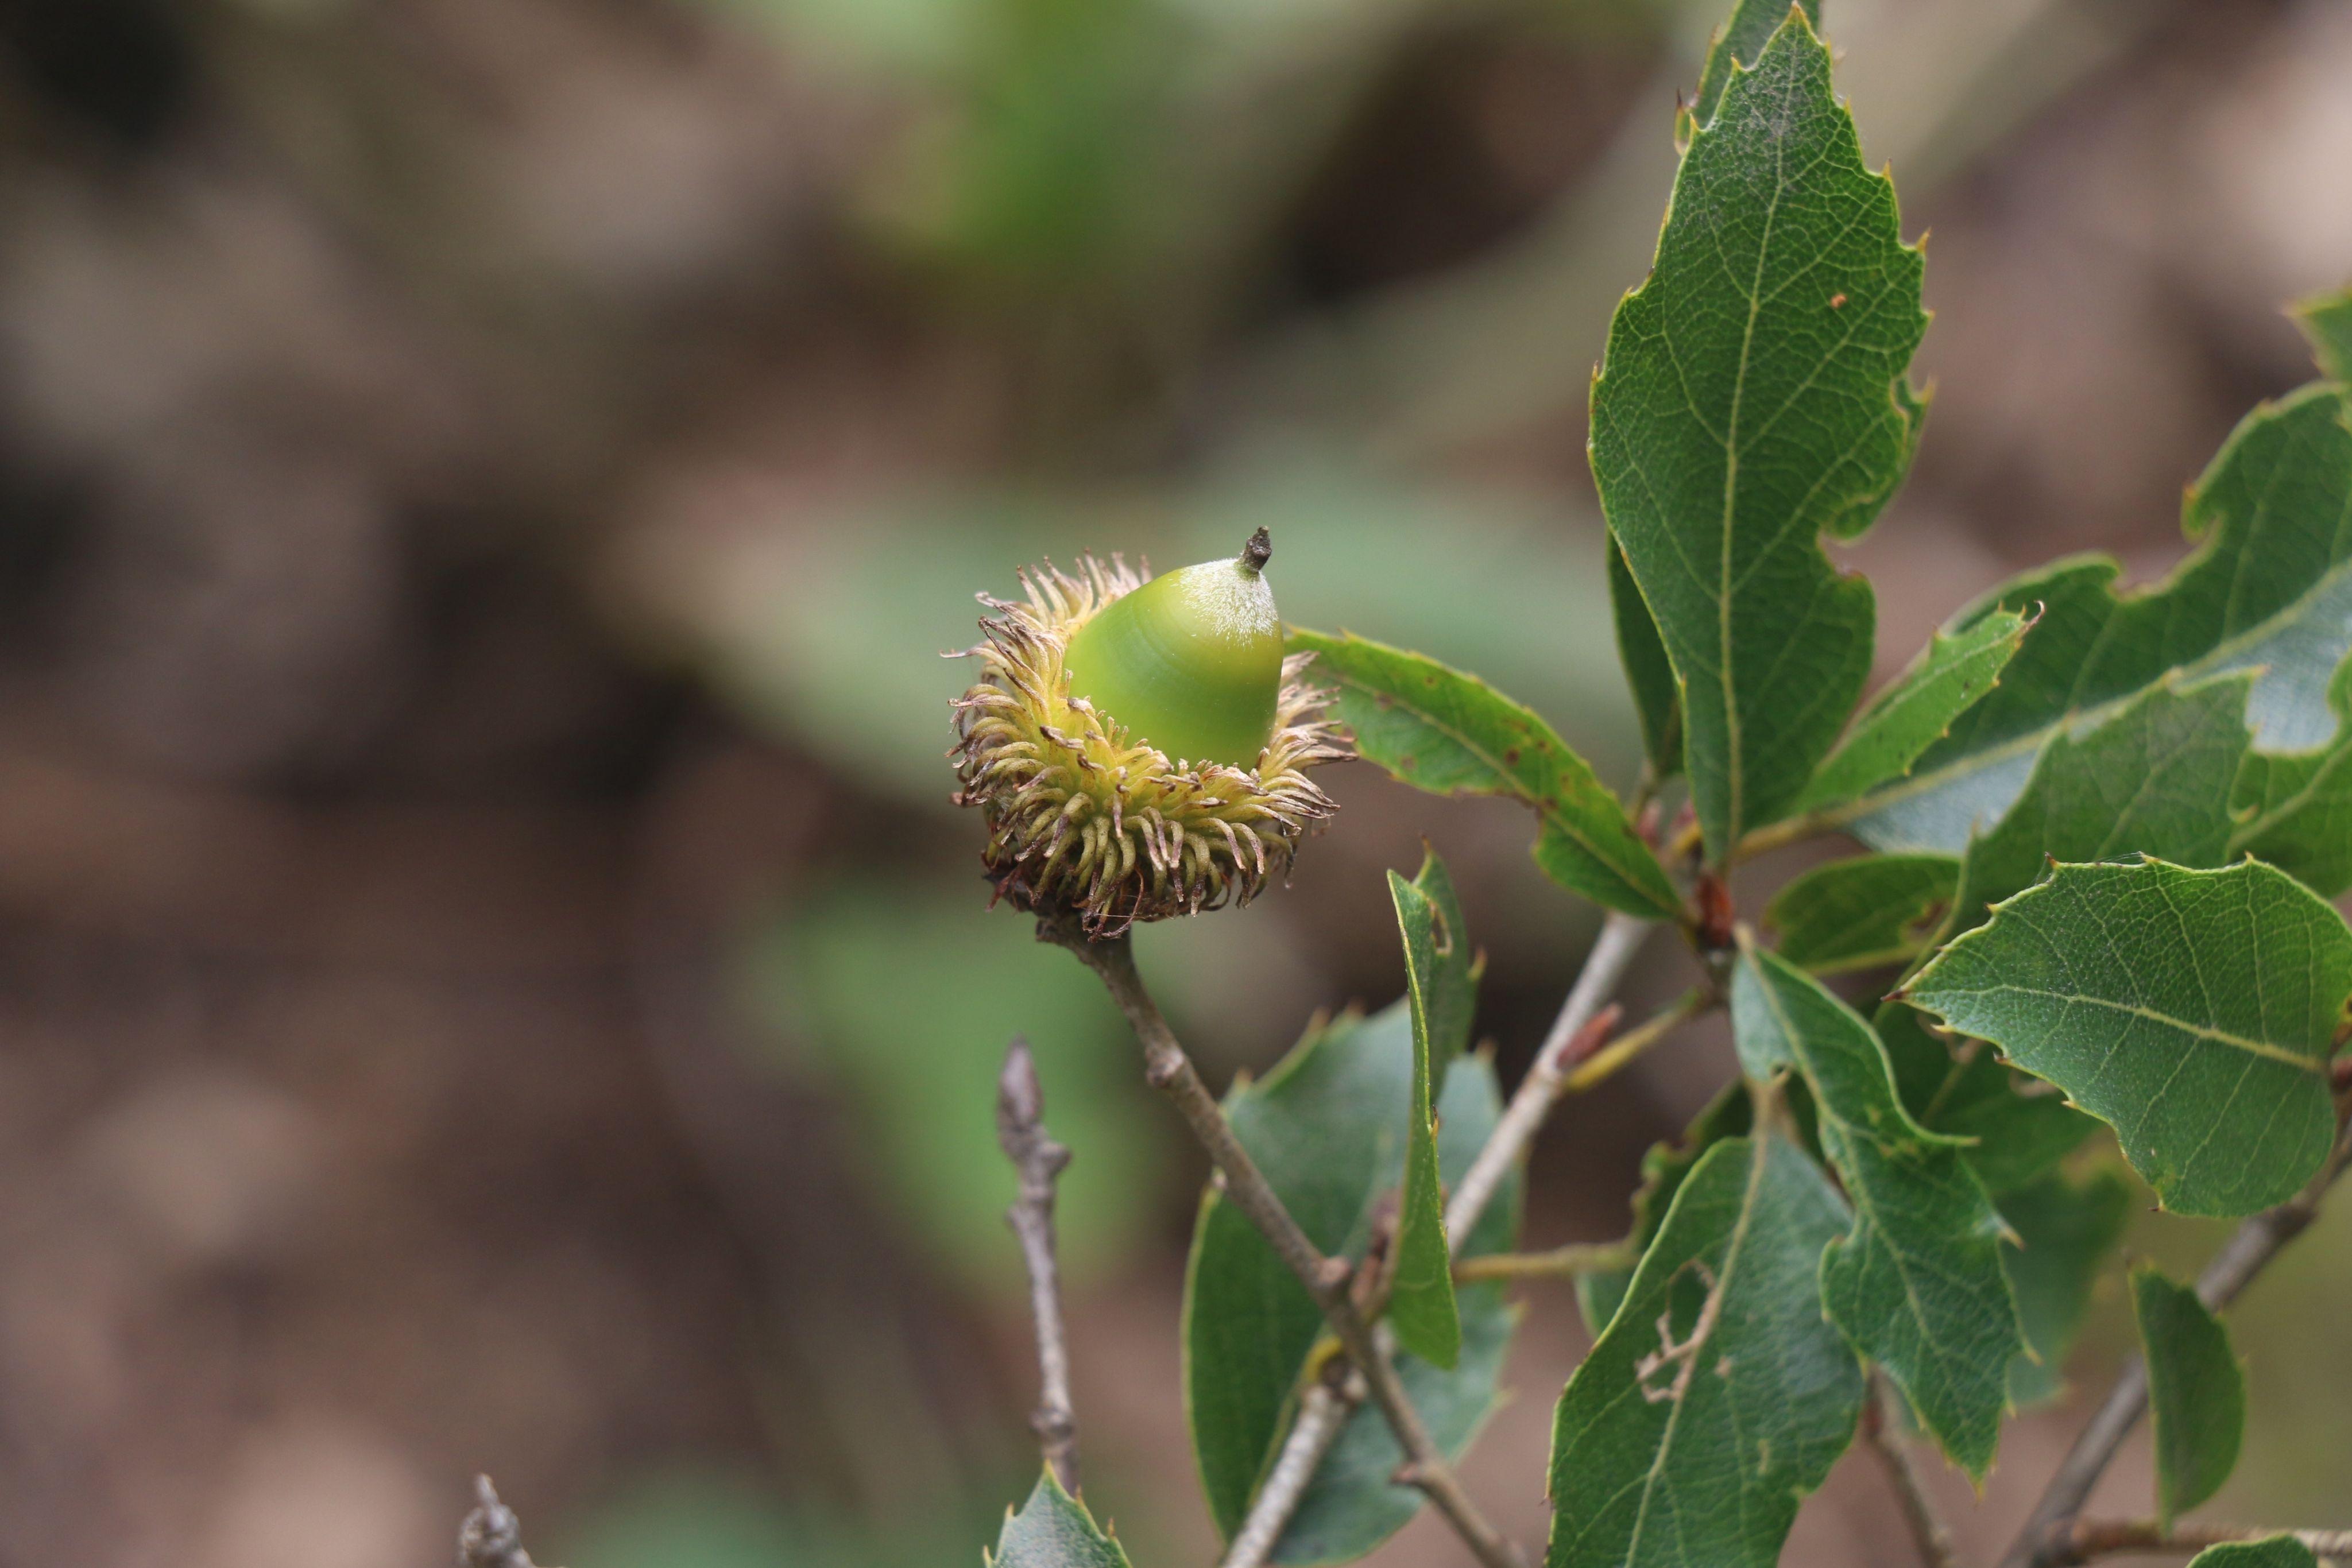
[1836,300]
[1511,755]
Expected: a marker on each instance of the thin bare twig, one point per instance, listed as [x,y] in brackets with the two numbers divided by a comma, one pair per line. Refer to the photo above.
[491,1536]
[1168,1069]
[1323,1414]
[1021,1129]
[2090,1537]
[1928,1531]
[2047,1539]
[1612,951]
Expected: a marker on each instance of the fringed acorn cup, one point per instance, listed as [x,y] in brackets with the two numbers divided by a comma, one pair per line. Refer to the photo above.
[1138,746]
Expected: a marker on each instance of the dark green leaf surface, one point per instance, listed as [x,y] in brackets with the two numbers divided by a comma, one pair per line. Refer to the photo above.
[1451,734]
[1741,38]
[1955,674]
[2154,780]
[1862,913]
[1327,1128]
[1752,400]
[1729,1115]
[1657,699]
[2295,808]
[1718,1397]
[2196,1391]
[2067,1233]
[1965,1092]
[1917,1285]
[1420,1293]
[2326,321]
[2270,587]
[2191,1011]
[1054,1529]
[2271,1552]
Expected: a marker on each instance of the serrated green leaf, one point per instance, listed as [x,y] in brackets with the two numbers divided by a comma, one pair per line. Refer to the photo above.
[1730,1114]
[1753,399]
[2154,778]
[2270,586]
[1657,699]
[2326,321]
[1717,1397]
[1954,673]
[1420,1292]
[2295,808]
[1451,734]
[1917,1285]
[1966,1092]
[1862,913]
[2067,1233]
[1741,40]
[2271,1552]
[2190,1010]
[1054,1529]
[2197,1392]
[1326,1128]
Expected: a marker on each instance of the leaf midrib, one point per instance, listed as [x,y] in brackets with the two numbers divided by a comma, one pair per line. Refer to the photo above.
[2201,1031]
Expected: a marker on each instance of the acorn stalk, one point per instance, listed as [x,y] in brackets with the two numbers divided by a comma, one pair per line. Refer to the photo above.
[1138,745]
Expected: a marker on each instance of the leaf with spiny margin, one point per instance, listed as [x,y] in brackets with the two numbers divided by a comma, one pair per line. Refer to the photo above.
[1657,700]
[1952,676]
[1054,1529]
[2269,588]
[1917,1285]
[1420,1291]
[2295,808]
[2326,321]
[2190,1010]
[1451,734]
[2066,1234]
[1751,400]
[1739,41]
[1967,1092]
[1863,912]
[1719,1395]
[1327,1128]
[2269,1552]
[2197,1392]
[1730,1114]
[2155,778]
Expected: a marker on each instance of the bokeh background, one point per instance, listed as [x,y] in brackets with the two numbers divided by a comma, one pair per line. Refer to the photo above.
[490,977]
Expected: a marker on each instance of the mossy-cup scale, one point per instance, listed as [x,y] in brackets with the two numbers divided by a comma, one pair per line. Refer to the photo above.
[1138,746]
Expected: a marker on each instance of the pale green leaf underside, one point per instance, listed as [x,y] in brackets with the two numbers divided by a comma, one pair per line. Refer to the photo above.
[2197,1392]
[2191,1011]
[2295,810]
[2269,590]
[1451,734]
[1751,400]
[1917,1285]
[1326,1128]
[1421,1296]
[2066,1234]
[2326,321]
[1956,672]
[1718,1397]
[1862,913]
[1054,1529]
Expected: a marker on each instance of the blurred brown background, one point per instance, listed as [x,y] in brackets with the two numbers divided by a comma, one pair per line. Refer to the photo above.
[489,977]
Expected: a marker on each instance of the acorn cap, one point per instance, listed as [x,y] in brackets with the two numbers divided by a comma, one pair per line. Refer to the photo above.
[1138,746]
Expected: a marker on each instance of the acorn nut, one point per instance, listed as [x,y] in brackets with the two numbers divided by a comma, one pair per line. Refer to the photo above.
[1138,745]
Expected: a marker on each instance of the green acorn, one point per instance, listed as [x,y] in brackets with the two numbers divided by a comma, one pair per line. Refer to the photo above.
[1138,746]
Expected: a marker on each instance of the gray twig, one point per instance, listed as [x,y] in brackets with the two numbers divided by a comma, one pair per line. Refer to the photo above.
[1169,1071]
[491,1536]
[1021,1129]
[1934,1541]
[1323,1413]
[2047,1540]
[2102,1537]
